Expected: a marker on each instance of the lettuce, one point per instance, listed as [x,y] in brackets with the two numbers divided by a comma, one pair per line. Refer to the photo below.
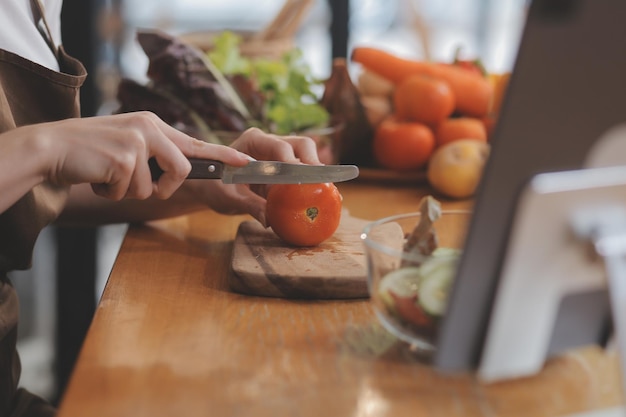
[286,84]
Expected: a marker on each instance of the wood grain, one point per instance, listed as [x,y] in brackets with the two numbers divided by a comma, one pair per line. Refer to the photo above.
[385,176]
[170,338]
[264,265]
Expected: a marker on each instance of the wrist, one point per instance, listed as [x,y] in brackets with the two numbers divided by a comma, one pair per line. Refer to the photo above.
[39,153]
[22,162]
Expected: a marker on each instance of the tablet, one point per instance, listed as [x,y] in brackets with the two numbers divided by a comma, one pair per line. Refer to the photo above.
[567,89]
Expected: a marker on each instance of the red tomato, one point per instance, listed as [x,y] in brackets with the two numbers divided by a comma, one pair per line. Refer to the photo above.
[475,66]
[460,128]
[403,146]
[304,214]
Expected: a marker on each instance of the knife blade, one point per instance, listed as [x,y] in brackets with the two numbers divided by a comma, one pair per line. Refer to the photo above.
[263,172]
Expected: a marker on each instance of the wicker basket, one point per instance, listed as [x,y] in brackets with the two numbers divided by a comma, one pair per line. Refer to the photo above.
[272,42]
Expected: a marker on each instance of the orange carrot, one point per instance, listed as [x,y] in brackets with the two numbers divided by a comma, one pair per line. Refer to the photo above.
[423,99]
[473,93]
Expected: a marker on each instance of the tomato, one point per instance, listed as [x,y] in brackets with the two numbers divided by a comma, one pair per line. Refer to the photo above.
[409,310]
[402,146]
[460,128]
[423,99]
[304,214]
[475,66]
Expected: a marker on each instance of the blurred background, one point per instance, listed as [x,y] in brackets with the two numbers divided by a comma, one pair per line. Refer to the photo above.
[59,294]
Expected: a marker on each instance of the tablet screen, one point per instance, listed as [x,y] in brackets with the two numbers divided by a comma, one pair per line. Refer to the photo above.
[567,88]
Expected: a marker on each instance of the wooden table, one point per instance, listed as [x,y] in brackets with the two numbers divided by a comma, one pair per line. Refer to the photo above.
[170,339]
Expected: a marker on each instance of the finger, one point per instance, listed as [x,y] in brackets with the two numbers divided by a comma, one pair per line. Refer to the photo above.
[114,183]
[265,146]
[141,186]
[255,205]
[113,191]
[164,144]
[226,154]
[260,189]
[175,171]
[171,148]
[229,199]
[304,149]
[171,160]
[195,148]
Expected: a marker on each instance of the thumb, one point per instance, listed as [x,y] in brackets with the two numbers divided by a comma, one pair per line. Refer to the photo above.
[255,206]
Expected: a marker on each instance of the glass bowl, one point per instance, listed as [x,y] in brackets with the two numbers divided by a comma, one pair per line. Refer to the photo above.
[409,289]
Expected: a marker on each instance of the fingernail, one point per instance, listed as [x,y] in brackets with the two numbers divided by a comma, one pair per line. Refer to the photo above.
[248,157]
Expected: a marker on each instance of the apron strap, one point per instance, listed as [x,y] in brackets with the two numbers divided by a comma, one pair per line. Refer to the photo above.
[42,25]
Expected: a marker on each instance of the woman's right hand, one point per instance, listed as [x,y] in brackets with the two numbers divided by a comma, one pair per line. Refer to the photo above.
[109,152]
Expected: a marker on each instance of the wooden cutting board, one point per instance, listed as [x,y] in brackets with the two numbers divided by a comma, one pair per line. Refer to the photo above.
[336,269]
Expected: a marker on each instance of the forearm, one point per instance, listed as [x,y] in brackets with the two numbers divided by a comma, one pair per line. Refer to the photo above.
[87,209]
[20,167]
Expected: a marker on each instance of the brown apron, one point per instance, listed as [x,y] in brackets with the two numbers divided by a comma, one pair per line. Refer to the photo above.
[29,93]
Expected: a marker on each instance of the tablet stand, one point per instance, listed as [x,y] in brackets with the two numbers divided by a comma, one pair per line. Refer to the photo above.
[610,243]
[567,242]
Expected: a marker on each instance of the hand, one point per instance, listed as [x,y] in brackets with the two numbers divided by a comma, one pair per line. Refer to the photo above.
[111,153]
[268,147]
[239,198]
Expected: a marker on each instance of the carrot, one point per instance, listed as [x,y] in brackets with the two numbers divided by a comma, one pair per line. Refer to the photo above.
[473,93]
[424,99]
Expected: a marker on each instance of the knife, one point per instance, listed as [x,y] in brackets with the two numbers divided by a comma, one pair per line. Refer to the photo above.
[263,172]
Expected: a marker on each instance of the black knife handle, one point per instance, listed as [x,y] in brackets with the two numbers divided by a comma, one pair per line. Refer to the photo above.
[208,169]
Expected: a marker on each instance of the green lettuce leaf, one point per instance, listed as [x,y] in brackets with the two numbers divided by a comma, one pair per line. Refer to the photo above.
[287,84]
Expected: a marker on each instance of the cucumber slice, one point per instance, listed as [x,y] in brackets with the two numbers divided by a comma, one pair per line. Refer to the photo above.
[439,257]
[437,276]
[403,282]
[444,251]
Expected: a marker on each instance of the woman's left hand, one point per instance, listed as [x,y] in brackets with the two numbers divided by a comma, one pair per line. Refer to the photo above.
[240,198]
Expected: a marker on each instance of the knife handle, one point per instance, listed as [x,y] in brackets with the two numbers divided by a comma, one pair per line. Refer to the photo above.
[208,169]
